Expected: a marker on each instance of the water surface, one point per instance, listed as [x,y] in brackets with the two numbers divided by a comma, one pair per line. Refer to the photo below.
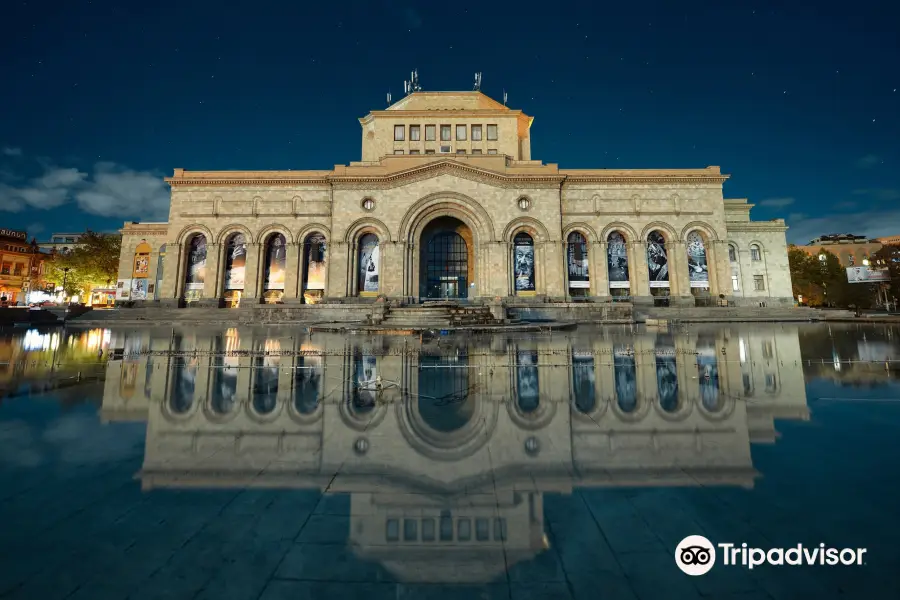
[268,463]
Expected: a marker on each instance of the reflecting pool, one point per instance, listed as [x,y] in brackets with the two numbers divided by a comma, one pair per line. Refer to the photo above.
[270,463]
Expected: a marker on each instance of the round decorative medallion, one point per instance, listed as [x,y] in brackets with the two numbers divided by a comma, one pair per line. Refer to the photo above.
[524,203]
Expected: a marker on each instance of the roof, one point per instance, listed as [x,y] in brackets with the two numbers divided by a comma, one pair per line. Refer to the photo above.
[447,101]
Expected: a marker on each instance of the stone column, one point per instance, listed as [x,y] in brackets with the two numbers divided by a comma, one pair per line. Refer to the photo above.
[678,271]
[638,273]
[212,283]
[720,268]
[336,259]
[173,274]
[292,275]
[598,270]
[252,279]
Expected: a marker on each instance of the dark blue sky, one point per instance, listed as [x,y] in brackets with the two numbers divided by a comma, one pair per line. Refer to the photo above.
[101,99]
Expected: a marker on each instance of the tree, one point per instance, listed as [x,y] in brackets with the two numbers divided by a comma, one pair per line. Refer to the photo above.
[889,257]
[807,278]
[93,263]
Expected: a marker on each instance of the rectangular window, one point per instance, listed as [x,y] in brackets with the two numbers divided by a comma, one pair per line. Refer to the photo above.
[429,151]
[754,253]
[759,283]
[429,133]
[414,152]
[446,527]
[445,133]
[18,269]
[476,151]
[461,133]
[460,151]
[734,283]
[732,253]
[392,530]
[399,133]
[492,133]
[767,350]
[445,149]
[500,530]
[464,530]
[398,151]
[410,530]
[427,530]
[414,133]
[492,151]
[476,133]
[5,269]
[482,530]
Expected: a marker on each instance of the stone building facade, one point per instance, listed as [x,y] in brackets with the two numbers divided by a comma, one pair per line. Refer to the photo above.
[447,202]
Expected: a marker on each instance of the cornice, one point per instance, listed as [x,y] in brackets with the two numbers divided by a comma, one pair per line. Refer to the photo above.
[646,178]
[757,226]
[443,167]
[245,181]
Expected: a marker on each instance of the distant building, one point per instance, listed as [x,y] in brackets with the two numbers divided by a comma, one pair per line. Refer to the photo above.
[21,266]
[889,240]
[61,242]
[851,250]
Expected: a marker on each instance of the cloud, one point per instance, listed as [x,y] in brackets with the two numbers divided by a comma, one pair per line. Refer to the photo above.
[880,194]
[777,202]
[8,151]
[872,223]
[34,228]
[115,191]
[868,161]
[112,191]
[50,190]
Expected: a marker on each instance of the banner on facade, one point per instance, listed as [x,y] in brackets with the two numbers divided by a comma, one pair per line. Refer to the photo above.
[236,262]
[139,289]
[867,275]
[276,259]
[369,264]
[196,265]
[657,260]
[697,265]
[617,261]
[523,259]
[315,264]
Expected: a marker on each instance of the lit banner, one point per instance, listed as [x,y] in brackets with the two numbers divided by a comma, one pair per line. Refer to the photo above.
[276,258]
[867,275]
[235,262]
[138,289]
[196,265]
[315,263]
[657,260]
[697,265]
[617,261]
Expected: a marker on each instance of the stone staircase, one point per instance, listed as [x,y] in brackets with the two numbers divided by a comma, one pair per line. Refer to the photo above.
[439,315]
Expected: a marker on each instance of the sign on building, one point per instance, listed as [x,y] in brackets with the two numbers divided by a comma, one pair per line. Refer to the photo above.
[867,275]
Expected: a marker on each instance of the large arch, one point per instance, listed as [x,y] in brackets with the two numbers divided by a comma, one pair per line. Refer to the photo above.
[227,230]
[477,230]
[586,230]
[366,225]
[707,230]
[531,225]
[451,204]
[188,231]
[263,235]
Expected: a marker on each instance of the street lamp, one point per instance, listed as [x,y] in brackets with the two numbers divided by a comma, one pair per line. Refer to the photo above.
[65,276]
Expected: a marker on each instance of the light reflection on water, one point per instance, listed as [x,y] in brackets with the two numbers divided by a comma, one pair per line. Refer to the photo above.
[451,446]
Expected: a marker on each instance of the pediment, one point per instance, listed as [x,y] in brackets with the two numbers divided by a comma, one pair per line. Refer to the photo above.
[389,176]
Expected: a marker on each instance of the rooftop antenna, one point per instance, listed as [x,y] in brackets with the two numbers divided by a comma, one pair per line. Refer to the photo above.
[389,98]
[477,87]
[504,97]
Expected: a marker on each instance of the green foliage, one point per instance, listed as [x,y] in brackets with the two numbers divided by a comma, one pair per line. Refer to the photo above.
[94,263]
[824,282]
[889,257]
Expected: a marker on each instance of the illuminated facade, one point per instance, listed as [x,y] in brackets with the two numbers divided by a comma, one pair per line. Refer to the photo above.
[447,202]
[21,267]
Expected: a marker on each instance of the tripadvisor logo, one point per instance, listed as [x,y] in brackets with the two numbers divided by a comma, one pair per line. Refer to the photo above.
[696,555]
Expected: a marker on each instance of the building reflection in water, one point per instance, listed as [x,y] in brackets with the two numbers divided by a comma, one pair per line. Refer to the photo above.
[446,450]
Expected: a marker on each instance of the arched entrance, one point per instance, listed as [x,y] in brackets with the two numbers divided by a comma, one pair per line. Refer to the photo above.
[446,262]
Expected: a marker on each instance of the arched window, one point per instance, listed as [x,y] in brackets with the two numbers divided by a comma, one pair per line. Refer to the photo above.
[583,381]
[265,378]
[523,264]
[307,383]
[276,256]
[732,253]
[755,253]
[314,252]
[617,264]
[577,259]
[235,268]
[657,264]
[698,269]
[225,375]
[528,394]
[195,269]
[184,378]
[667,374]
[708,373]
[369,265]
[625,373]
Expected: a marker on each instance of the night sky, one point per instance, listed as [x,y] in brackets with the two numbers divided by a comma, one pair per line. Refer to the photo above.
[101,99]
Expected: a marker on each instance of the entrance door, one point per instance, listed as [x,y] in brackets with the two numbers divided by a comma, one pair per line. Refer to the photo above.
[446,266]
[449,288]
